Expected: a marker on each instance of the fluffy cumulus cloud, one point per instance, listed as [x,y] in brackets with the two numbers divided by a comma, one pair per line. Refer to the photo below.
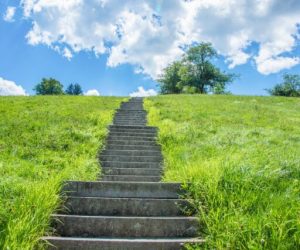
[273,65]
[9,14]
[10,88]
[141,92]
[92,92]
[151,34]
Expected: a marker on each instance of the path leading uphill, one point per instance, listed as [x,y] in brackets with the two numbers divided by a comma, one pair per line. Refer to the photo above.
[129,208]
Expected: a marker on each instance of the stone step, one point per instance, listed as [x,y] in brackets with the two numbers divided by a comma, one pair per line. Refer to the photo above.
[130,111]
[131,103]
[130,138]
[123,189]
[139,178]
[122,164]
[132,152]
[132,147]
[131,171]
[125,206]
[132,128]
[133,100]
[132,107]
[121,226]
[130,123]
[134,112]
[128,108]
[125,129]
[134,132]
[126,111]
[138,105]
[130,114]
[73,243]
[130,142]
[128,158]
[123,133]
[130,118]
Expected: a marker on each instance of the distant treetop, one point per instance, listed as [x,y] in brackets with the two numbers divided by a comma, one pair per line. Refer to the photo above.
[49,86]
[74,89]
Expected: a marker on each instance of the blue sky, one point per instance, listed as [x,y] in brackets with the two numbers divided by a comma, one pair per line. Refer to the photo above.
[115,49]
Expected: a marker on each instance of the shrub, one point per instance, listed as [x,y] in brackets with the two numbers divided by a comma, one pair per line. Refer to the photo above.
[289,87]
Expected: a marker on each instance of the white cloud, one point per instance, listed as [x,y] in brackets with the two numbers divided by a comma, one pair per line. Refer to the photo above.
[141,92]
[67,53]
[151,34]
[92,92]
[9,14]
[273,65]
[10,88]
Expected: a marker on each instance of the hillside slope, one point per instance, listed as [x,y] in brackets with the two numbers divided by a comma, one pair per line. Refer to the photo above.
[43,141]
[242,157]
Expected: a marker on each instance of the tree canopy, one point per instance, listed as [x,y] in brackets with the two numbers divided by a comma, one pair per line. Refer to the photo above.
[74,89]
[290,86]
[195,73]
[49,86]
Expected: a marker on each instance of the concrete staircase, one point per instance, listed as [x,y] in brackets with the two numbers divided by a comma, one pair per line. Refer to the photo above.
[129,208]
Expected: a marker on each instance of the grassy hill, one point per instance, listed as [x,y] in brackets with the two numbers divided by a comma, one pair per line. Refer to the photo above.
[241,156]
[43,141]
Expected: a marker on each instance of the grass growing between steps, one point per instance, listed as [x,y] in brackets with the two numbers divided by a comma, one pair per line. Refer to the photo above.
[44,141]
[242,156]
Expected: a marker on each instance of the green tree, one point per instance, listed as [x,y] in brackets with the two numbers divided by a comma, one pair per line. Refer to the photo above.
[196,71]
[289,87]
[202,74]
[49,86]
[170,79]
[74,89]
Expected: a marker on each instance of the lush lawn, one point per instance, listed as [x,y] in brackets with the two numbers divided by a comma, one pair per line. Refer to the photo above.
[242,158]
[43,141]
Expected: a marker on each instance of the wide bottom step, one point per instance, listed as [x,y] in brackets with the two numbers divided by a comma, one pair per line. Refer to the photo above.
[68,243]
[124,226]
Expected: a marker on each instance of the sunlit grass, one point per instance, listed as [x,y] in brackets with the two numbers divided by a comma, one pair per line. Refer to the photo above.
[44,141]
[242,158]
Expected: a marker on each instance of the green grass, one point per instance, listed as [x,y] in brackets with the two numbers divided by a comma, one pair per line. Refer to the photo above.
[242,158]
[44,141]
